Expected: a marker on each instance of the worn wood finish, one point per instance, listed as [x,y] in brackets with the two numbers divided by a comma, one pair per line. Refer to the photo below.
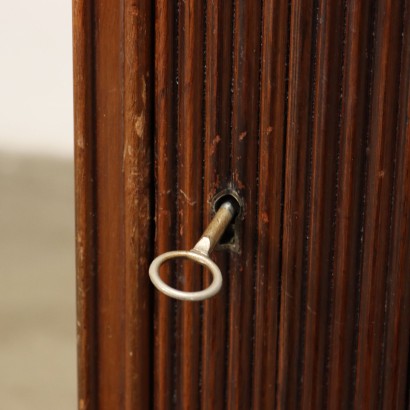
[165,195]
[217,122]
[351,178]
[298,138]
[114,185]
[138,194]
[396,356]
[189,192]
[272,129]
[321,199]
[302,108]
[85,206]
[244,166]
[382,140]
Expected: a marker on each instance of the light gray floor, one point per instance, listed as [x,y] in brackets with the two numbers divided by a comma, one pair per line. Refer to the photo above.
[37,284]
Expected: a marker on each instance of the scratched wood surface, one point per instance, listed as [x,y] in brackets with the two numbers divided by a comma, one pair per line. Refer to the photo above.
[302,107]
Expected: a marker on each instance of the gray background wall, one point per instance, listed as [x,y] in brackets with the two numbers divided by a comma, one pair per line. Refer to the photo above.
[37,274]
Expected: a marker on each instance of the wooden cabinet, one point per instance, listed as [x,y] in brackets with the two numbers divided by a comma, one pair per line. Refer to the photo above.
[302,108]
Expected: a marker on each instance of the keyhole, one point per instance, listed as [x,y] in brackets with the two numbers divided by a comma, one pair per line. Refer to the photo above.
[229,239]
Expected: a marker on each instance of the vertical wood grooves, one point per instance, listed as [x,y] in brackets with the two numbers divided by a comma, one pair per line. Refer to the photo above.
[302,108]
[395,378]
[331,264]
[391,208]
[85,221]
[313,80]
[293,229]
[216,173]
[309,174]
[138,197]
[347,239]
[271,126]
[165,96]
[232,78]
[321,199]
[378,207]
[109,47]
[228,347]
[283,186]
[205,274]
[190,154]
[364,171]
[176,265]
[244,168]
[257,205]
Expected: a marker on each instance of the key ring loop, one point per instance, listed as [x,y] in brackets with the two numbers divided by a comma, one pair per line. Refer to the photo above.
[210,291]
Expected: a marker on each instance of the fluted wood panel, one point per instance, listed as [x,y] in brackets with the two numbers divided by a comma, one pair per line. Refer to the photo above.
[302,108]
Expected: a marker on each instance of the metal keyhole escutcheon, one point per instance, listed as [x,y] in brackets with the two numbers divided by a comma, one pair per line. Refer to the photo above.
[200,253]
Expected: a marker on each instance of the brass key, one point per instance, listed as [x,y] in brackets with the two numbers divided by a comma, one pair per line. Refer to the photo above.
[200,254]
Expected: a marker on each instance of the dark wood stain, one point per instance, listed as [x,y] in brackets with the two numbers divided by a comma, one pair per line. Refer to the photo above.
[272,129]
[350,181]
[85,205]
[378,207]
[189,193]
[302,108]
[244,166]
[217,142]
[299,104]
[165,195]
[138,198]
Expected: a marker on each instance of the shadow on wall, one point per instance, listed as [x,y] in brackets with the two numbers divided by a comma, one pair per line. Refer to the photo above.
[37,284]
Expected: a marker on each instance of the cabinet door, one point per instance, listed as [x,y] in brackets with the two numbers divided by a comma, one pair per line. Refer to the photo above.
[301,108]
